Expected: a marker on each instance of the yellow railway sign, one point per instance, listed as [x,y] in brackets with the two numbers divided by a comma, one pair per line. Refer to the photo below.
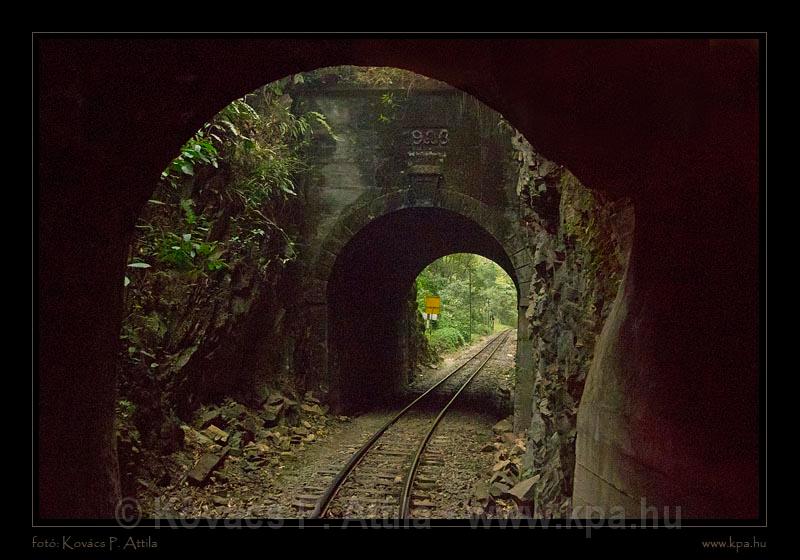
[433,305]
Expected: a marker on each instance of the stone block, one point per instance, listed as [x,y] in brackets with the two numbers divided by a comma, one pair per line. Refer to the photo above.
[324,264]
[394,201]
[520,258]
[357,218]
[378,206]
[334,244]
[199,474]
[524,271]
[315,291]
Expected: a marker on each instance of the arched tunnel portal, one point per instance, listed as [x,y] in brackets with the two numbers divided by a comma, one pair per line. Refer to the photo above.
[368,294]
[674,124]
[358,285]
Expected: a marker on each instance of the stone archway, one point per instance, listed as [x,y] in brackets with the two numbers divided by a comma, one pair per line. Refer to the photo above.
[404,231]
[684,114]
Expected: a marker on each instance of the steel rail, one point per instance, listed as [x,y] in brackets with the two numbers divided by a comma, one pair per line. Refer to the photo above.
[324,502]
[405,497]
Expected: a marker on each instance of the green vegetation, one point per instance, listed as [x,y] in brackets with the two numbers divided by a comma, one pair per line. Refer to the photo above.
[367,76]
[219,202]
[216,235]
[461,279]
[446,339]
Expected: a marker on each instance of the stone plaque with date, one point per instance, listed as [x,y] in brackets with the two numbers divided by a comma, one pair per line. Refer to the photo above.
[426,154]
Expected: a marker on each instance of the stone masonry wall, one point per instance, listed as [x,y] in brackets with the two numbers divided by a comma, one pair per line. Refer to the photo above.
[396,148]
[580,244]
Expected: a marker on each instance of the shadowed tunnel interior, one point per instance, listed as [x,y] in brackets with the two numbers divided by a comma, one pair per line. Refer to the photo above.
[368,293]
[673,124]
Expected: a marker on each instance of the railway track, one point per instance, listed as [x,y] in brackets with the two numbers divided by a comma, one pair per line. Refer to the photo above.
[392,474]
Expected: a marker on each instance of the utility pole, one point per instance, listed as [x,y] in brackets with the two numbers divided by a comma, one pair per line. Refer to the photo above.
[469,271]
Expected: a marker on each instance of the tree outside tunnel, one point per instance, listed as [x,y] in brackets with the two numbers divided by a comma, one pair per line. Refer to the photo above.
[478,297]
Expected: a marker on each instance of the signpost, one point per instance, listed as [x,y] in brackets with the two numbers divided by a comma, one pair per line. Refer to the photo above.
[433,306]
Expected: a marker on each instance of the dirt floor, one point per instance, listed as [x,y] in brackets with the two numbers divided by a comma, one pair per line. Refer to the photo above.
[280,470]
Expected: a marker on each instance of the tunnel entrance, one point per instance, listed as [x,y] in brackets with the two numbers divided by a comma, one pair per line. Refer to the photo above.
[667,284]
[464,300]
[368,296]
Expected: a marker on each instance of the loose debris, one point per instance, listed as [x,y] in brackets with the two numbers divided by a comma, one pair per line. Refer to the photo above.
[509,490]
[231,456]
[270,460]
[207,463]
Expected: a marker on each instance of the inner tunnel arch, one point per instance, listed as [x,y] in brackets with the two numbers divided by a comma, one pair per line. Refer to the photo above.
[368,283]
